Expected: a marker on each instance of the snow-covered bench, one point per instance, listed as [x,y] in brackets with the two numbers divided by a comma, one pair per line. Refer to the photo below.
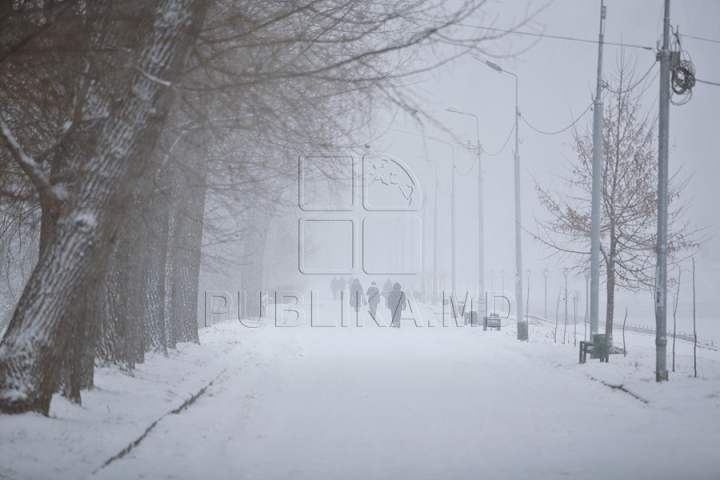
[492,321]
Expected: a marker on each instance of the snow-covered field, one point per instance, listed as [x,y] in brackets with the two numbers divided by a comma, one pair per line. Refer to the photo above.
[365,403]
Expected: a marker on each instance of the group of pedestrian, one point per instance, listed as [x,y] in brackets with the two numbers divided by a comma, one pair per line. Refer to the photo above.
[337,285]
[395,299]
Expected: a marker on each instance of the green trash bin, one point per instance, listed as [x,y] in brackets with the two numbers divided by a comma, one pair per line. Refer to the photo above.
[601,349]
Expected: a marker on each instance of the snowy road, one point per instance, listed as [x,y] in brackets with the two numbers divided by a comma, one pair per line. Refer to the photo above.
[416,403]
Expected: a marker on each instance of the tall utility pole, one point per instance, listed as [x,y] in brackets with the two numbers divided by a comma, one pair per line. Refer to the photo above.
[481,226]
[663,56]
[596,187]
[546,272]
[434,294]
[522,325]
[565,272]
[452,217]
[453,225]
[481,221]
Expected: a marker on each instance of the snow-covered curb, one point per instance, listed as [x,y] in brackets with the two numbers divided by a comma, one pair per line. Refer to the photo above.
[277,386]
[78,440]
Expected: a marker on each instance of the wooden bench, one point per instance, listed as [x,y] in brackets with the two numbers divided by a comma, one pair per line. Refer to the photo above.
[493,321]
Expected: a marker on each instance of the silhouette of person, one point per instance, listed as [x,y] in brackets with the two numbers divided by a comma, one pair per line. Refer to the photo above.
[341,284]
[357,297]
[396,303]
[387,288]
[373,299]
[334,286]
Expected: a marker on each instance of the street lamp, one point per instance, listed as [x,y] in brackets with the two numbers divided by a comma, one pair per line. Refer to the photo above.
[587,307]
[481,221]
[546,272]
[527,307]
[452,216]
[435,230]
[492,289]
[522,331]
[565,272]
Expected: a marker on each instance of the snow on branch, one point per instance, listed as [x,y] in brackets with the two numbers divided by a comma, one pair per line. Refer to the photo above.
[155,79]
[31,168]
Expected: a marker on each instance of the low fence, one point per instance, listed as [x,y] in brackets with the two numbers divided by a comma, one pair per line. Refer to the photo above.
[647,330]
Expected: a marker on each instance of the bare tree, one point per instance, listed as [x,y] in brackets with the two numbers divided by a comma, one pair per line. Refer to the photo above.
[263,78]
[629,200]
[83,193]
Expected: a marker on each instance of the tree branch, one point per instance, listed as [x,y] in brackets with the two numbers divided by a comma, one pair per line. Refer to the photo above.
[32,169]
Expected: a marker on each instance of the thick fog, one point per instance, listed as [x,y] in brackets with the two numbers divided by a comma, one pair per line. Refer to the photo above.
[556,84]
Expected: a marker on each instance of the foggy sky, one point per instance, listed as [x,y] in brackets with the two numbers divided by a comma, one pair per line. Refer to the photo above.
[556,84]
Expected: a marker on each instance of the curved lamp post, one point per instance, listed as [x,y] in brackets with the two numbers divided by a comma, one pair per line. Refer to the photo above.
[481,220]
[522,330]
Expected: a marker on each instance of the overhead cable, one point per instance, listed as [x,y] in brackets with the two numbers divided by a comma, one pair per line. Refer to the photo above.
[636,83]
[504,144]
[559,131]
[700,38]
[557,37]
[707,83]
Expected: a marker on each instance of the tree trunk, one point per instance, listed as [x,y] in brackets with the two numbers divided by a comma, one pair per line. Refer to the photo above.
[89,212]
[79,365]
[150,275]
[184,245]
[610,313]
[251,275]
[114,305]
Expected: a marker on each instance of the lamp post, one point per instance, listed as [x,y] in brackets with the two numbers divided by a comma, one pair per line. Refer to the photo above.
[596,198]
[527,306]
[587,306]
[565,272]
[546,272]
[453,283]
[481,219]
[492,289]
[522,330]
[435,230]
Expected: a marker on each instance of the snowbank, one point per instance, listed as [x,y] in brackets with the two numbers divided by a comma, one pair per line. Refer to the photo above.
[371,402]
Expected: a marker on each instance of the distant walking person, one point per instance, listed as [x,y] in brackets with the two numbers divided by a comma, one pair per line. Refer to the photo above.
[357,297]
[341,285]
[387,288]
[373,299]
[396,303]
[335,286]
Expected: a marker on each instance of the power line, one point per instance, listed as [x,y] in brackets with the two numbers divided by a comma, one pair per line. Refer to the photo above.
[700,38]
[636,83]
[469,170]
[558,37]
[559,131]
[707,83]
[451,141]
[417,134]
[504,144]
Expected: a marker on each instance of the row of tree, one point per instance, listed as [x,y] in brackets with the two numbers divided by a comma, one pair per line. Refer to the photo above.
[131,128]
[134,134]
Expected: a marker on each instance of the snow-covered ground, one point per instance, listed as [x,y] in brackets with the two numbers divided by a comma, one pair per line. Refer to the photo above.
[364,403]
